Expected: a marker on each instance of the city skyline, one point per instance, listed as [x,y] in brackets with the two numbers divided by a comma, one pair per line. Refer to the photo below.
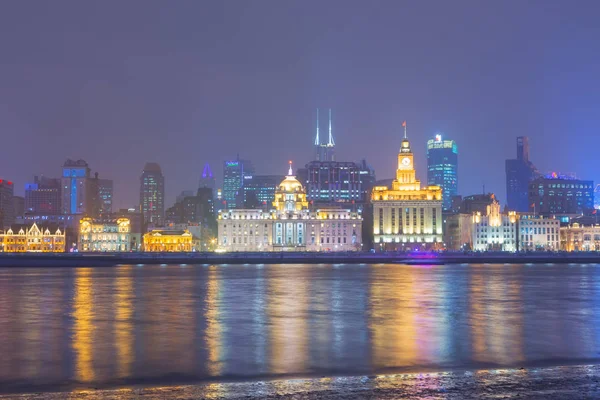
[166,93]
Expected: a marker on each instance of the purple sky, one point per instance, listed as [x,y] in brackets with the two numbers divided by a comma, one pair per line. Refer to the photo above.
[119,83]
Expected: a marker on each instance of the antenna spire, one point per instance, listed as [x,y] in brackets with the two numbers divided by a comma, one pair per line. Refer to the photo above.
[317,142]
[331,142]
[290,172]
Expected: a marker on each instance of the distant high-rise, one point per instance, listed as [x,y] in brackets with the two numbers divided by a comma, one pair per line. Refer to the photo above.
[556,195]
[105,196]
[152,194]
[519,172]
[207,179]
[78,190]
[442,168]
[43,196]
[324,151]
[259,190]
[233,179]
[7,210]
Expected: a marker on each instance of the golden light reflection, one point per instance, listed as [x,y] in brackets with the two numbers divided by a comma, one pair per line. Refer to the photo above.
[214,330]
[83,316]
[123,327]
[287,307]
[476,313]
[393,325]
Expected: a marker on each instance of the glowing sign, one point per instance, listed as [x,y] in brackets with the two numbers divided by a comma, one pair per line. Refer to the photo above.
[232,163]
[438,138]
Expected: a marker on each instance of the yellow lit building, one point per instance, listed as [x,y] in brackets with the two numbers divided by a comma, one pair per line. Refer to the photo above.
[104,236]
[579,237]
[161,240]
[407,216]
[494,231]
[290,225]
[32,239]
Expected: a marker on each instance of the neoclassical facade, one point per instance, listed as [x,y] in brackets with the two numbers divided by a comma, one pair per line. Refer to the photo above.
[494,231]
[32,239]
[290,226]
[171,241]
[407,216]
[104,236]
[578,237]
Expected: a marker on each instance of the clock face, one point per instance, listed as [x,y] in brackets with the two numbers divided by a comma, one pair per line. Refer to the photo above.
[406,161]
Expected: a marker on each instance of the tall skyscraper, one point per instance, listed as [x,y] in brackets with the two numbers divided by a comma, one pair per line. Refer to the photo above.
[207,179]
[7,210]
[233,179]
[105,196]
[407,214]
[324,151]
[152,194]
[43,196]
[259,190]
[442,168]
[79,192]
[519,172]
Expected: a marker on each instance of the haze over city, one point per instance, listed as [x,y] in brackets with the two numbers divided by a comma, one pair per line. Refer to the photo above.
[123,83]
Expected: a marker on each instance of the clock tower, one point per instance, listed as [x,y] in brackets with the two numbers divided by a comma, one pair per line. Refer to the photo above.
[405,173]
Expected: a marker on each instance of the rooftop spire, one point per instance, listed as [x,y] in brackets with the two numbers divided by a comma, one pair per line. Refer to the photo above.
[331,142]
[317,142]
[404,126]
[207,172]
[290,172]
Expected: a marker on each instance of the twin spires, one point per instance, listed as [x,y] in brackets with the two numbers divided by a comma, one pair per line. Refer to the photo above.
[330,142]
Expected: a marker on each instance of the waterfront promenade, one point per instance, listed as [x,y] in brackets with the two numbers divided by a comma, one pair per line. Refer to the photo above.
[111,259]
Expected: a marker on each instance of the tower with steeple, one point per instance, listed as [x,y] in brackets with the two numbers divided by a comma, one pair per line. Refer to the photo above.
[405,215]
[324,151]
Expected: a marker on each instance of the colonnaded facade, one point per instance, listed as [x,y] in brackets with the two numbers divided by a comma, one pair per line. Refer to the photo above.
[290,226]
[407,216]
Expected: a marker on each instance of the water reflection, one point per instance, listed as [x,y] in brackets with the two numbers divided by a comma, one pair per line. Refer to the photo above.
[103,327]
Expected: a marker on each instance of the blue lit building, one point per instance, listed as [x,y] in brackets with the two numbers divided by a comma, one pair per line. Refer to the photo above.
[519,172]
[105,196]
[442,168]
[234,172]
[259,190]
[77,189]
[560,195]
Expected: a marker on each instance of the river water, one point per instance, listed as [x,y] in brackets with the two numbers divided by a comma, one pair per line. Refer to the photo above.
[66,328]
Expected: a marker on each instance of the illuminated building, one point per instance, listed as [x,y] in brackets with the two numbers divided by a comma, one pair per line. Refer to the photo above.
[43,196]
[494,231]
[7,210]
[597,197]
[152,194]
[233,180]
[519,172]
[164,240]
[32,239]
[104,235]
[290,225]
[406,214]
[79,189]
[324,151]
[556,194]
[207,179]
[538,233]
[442,168]
[259,190]
[195,210]
[580,237]
[105,196]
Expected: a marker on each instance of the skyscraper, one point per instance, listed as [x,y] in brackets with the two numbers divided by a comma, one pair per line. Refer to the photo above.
[555,195]
[519,172]
[105,196]
[233,179]
[7,215]
[442,168]
[78,189]
[324,151]
[207,179]
[152,194]
[43,196]
[259,190]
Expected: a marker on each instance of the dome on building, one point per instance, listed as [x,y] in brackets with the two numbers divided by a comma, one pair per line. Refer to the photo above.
[290,184]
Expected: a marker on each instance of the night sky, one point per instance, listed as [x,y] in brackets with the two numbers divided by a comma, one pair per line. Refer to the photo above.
[181,83]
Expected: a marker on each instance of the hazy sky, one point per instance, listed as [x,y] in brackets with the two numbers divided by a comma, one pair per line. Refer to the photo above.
[181,83]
